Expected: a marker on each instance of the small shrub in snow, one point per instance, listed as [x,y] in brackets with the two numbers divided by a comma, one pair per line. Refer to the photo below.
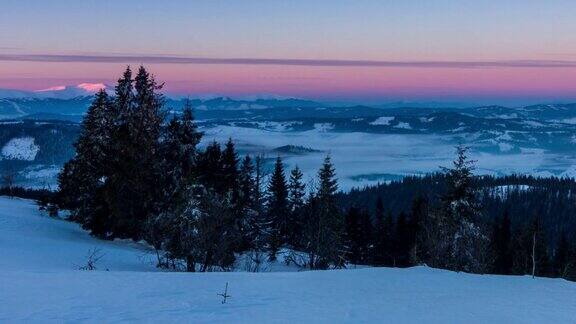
[299,259]
[255,261]
[94,255]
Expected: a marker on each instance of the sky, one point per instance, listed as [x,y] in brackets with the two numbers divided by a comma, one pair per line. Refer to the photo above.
[339,50]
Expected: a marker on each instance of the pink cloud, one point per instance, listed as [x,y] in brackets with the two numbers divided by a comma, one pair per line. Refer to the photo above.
[55,88]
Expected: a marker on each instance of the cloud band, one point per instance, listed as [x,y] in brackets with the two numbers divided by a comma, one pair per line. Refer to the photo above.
[166,59]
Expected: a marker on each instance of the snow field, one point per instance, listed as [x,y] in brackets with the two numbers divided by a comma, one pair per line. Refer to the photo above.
[39,282]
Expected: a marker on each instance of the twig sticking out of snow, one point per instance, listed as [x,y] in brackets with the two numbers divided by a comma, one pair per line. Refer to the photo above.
[225,295]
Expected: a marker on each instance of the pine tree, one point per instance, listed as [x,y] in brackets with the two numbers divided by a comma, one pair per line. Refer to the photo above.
[81,180]
[231,185]
[132,188]
[296,196]
[366,228]
[328,183]
[465,240]
[324,224]
[230,170]
[381,236]
[247,183]
[253,226]
[124,98]
[563,259]
[388,241]
[402,241]
[357,231]
[258,231]
[501,242]
[218,238]
[277,209]
[179,155]
[258,184]
[201,232]
[210,168]
[353,236]
[296,190]
[189,138]
[530,250]
[418,217]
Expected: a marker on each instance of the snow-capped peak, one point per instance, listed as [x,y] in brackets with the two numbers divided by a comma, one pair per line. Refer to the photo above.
[92,87]
[57,91]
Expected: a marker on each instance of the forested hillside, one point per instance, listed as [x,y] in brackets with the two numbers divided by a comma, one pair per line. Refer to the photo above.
[521,196]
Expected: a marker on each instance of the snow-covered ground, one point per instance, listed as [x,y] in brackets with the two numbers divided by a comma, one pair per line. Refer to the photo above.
[39,282]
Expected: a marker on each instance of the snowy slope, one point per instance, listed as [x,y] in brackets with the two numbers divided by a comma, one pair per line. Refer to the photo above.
[39,283]
[30,240]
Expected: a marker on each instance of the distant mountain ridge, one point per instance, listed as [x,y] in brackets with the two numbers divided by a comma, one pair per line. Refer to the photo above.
[70,103]
[18,105]
[227,103]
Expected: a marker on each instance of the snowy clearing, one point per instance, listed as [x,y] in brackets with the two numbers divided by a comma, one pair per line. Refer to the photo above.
[40,283]
[21,148]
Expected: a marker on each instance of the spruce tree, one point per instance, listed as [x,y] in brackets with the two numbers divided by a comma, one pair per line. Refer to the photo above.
[464,238]
[296,190]
[210,169]
[231,184]
[179,155]
[277,209]
[296,196]
[259,231]
[124,96]
[324,223]
[230,170]
[132,188]
[200,232]
[177,174]
[253,225]
[259,175]
[81,181]
[247,183]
